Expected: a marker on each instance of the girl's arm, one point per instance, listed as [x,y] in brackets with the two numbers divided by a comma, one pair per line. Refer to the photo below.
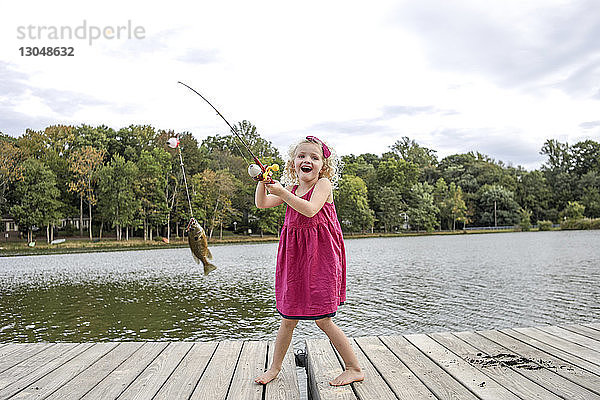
[264,200]
[307,208]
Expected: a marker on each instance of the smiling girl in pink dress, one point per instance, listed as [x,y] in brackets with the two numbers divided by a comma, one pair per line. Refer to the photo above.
[310,279]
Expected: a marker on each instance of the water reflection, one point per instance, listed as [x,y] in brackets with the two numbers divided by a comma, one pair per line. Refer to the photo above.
[395,285]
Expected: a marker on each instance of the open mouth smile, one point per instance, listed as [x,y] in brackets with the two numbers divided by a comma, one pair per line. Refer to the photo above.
[306,168]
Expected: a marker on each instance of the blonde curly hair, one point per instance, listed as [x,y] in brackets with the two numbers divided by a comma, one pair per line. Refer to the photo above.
[332,165]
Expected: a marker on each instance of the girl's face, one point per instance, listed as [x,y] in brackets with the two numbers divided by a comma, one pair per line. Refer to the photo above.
[308,161]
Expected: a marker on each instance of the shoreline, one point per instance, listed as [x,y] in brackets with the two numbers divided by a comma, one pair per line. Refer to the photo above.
[15,249]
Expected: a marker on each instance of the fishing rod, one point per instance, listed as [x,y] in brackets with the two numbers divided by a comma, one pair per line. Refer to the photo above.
[257,171]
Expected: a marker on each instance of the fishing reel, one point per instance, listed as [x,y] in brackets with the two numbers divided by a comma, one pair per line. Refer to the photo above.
[260,173]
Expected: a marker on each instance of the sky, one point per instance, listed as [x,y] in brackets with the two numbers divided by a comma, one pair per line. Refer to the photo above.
[498,77]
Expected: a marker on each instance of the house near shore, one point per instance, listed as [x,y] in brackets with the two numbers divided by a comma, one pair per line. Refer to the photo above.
[10,228]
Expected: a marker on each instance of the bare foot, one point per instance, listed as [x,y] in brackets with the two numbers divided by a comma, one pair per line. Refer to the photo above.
[267,376]
[348,376]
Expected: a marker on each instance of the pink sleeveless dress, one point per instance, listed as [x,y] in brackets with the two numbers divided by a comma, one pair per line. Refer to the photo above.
[310,279]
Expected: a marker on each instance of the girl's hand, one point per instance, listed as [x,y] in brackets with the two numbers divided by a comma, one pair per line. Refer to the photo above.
[275,188]
[264,200]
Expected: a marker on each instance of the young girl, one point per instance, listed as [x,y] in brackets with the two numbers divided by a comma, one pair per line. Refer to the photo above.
[310,279]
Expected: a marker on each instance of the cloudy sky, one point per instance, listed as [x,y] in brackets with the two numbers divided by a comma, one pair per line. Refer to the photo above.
[499,77]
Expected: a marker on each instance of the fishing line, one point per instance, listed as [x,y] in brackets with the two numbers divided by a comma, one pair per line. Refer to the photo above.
[186,185]
[174,144]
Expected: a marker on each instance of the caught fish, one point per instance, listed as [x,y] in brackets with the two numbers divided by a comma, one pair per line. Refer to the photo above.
[199,245]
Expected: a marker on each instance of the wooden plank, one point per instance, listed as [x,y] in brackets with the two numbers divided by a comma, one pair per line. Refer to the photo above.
[324,366]
[469,376]
[16,353]
[122,376]
[507,377]
[149,382]
[435,378]
[23,374]
[5,345]
[184,379]
[9,350]
[562,344]
[214,383]
[398,377]
[88,379]
[51,382]
[576,338]
[570,381]
[373,386]
[251,363]
[583,330]
[285,386]
[595,325]
[568,357]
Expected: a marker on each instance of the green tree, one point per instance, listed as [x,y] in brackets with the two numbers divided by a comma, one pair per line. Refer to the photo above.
[352,204]
[573,211]
[458,168]
[88,136]
[364,167]
[392,208]
[59,147]
[38,198]
[11,167]
[398,173]
[117,188]
[425,159]
[458,207]
[33,144]
[588,189]
[154,209]
[134,139]
[212,198]
[497,206]
[441,198]
[558,172]
[472,171]
[84,163]
[591,201]
[534,194]
[422,212]
[395,178]
[358,166]
[525,222]
[585,157]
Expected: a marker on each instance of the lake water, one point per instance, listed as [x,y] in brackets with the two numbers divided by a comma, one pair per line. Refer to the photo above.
[395,286]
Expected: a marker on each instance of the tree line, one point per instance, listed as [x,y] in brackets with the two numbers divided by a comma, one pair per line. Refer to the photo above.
[128,182]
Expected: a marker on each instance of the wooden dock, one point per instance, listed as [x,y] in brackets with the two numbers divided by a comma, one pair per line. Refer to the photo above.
[142,370]
[546,362]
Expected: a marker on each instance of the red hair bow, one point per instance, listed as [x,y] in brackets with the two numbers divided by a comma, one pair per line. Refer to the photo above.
[326,151]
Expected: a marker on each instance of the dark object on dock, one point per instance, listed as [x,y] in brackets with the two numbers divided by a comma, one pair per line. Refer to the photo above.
[506,360]
[300,357]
